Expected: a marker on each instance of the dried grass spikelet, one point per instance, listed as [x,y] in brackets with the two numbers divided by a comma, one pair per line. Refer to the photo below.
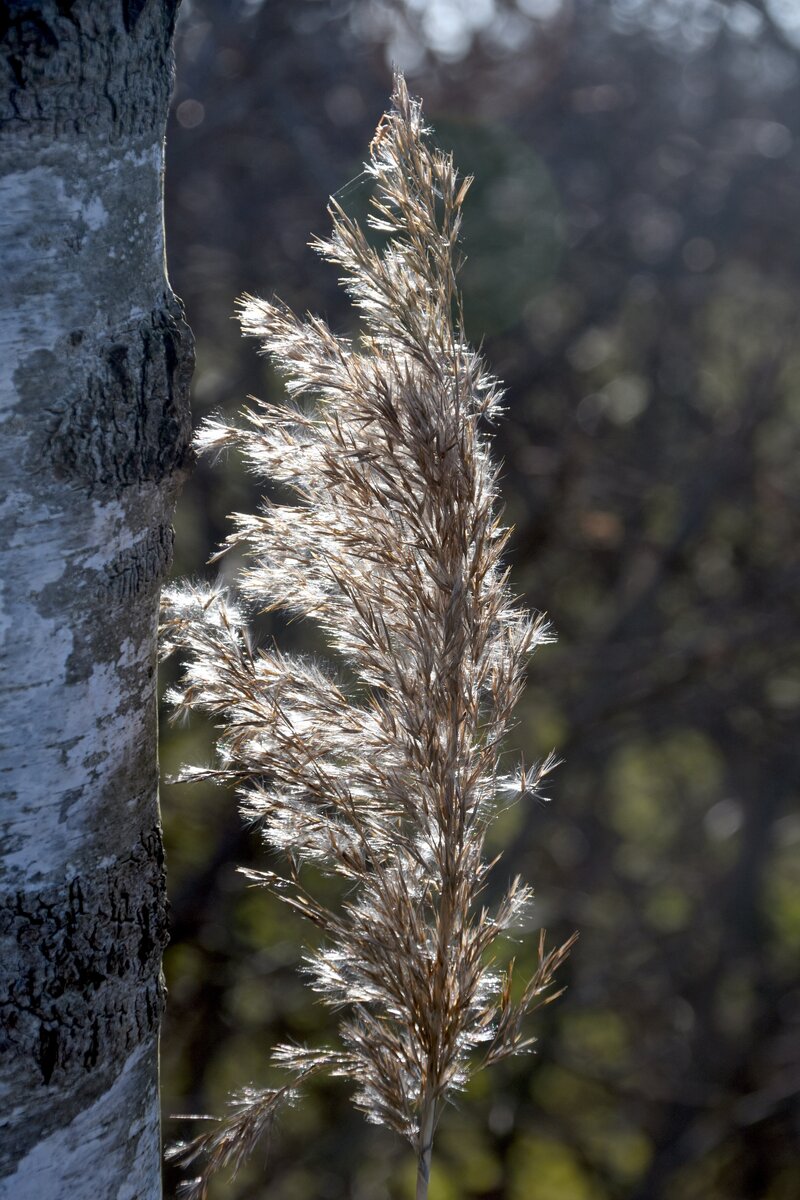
[394,547]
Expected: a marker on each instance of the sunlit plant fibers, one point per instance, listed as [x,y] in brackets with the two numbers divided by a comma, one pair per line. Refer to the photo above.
[394,548]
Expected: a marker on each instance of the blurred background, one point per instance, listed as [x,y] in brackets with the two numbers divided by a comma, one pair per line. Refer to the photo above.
[633,243]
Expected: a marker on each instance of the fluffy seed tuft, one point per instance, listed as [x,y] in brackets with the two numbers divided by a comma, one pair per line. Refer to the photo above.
[394,546]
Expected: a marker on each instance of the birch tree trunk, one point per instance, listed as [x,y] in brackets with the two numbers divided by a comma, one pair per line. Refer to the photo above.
[94,437]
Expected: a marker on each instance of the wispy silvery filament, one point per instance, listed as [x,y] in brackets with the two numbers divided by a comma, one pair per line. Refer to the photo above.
[394,547]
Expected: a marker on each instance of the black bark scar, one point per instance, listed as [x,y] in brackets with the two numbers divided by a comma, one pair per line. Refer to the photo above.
[81,966]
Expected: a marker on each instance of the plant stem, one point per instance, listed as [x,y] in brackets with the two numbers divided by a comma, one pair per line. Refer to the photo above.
[425,1148]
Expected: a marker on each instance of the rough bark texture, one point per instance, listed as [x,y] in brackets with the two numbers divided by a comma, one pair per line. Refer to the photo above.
[95,360]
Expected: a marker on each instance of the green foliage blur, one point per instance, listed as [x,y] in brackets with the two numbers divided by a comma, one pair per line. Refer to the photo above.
[633,268]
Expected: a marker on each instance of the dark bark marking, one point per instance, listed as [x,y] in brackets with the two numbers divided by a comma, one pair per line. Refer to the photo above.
[146,564]
[48,1052]
[82,967]
[131,422]
[53,50]
[131,11]
[30,41]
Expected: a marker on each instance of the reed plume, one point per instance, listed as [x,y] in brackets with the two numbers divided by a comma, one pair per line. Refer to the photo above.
[394,546]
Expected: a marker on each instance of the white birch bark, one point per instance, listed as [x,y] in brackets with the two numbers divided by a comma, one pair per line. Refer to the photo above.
[94,437]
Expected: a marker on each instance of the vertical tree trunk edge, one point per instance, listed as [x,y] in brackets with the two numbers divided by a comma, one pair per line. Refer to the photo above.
[95,440]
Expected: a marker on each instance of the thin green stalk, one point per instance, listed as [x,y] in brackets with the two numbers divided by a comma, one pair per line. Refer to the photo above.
[425,1150]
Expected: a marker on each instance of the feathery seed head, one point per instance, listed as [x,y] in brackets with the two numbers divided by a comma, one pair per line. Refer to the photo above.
[393,546]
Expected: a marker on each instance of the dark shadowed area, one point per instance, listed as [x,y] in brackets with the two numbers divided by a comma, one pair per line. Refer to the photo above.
[633,246]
